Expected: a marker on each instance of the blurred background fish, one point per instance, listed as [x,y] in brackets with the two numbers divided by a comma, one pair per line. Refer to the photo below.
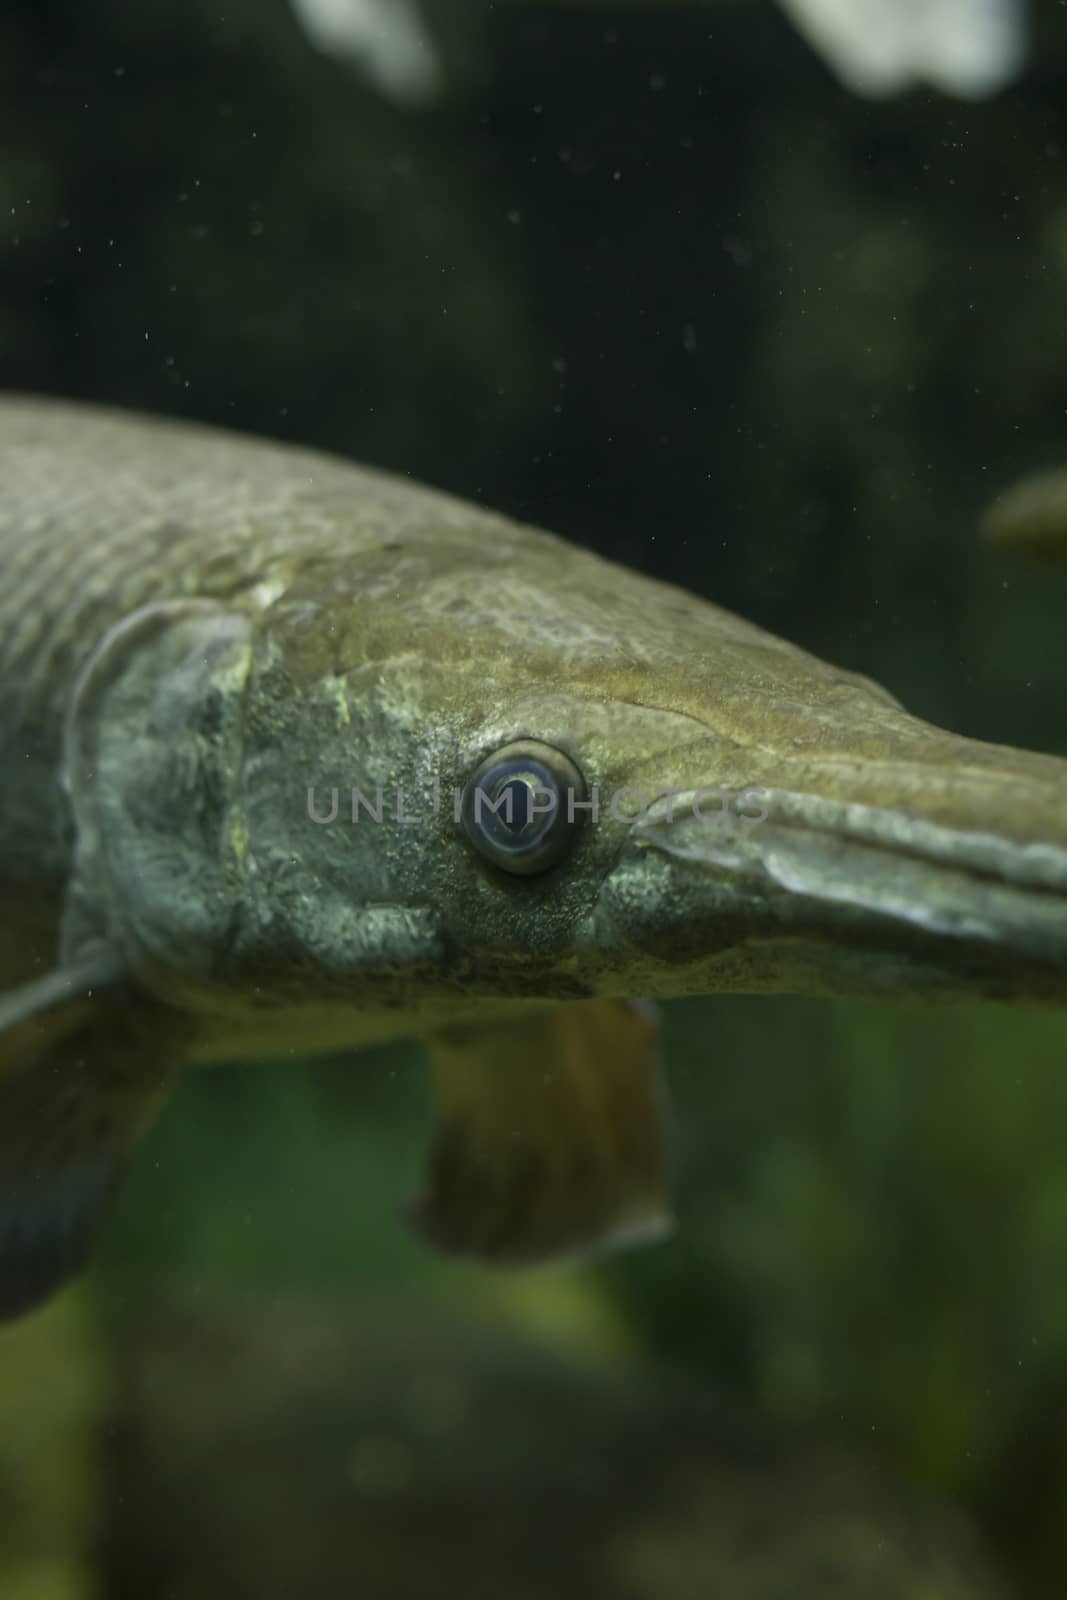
[387,37]
[969,48]
[1030,518]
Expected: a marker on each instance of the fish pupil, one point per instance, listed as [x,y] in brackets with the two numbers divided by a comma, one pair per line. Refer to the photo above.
[513,809]
[518,802]
[516,815]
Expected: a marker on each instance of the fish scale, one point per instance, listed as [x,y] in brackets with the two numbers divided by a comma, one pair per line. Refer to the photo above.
[101,513]
[80,532]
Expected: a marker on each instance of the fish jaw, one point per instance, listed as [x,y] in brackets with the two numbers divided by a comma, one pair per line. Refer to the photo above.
[939,877]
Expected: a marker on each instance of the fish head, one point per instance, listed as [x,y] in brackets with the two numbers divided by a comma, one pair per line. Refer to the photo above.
[730,814]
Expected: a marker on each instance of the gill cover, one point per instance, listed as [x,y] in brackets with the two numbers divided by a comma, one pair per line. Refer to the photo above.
[151,767]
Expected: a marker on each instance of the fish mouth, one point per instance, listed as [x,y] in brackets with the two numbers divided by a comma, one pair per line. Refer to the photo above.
[946,884]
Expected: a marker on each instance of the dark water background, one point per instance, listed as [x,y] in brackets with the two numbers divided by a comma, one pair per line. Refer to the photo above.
[650,277]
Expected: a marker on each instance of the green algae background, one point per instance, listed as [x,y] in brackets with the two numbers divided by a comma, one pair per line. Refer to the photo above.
[649,276]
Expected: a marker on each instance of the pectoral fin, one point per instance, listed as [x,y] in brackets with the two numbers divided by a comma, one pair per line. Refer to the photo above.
[550,1136]
[48,1007]
[79,1082]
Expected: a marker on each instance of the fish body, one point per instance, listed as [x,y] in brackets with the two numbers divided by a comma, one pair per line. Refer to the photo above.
[244,692]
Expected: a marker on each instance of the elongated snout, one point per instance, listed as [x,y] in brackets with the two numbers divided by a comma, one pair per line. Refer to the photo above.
[913,863]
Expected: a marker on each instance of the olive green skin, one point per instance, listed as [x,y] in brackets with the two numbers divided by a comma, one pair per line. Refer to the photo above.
[198,631]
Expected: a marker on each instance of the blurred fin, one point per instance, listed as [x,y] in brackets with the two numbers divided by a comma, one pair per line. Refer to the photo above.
[31,1013]
[79,1082]
[550,1138]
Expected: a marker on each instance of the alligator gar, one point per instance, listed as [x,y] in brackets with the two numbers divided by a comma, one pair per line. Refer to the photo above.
[298,756]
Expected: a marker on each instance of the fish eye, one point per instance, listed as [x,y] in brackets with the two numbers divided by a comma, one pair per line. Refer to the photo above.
[520,806]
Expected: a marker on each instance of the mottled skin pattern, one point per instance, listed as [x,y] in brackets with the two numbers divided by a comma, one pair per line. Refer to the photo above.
[365,631]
